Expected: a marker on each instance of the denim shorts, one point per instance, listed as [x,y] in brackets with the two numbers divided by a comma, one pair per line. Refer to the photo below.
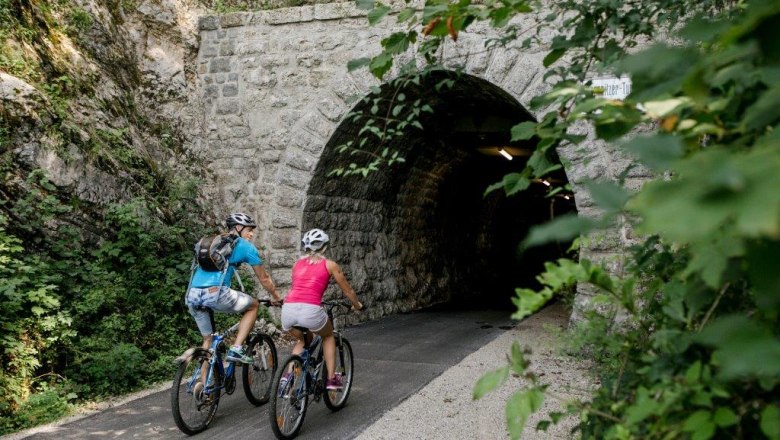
[305,315]
[223,300]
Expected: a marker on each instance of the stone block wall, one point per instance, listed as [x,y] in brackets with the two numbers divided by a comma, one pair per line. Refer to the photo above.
[274,88]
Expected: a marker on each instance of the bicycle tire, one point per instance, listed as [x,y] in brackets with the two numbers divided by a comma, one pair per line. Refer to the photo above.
[290,401]
[192,411]
[258,377]
[345,362]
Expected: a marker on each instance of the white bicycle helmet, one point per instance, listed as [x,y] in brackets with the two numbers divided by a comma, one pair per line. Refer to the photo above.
[314,240]
[239,218]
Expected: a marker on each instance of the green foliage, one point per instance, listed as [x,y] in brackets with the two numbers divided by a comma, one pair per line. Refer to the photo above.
[387,115]
[79,21]
[90,293]
[695,352]
[43,407]
[110,290]
[110,372]
[522,403]
[31,318]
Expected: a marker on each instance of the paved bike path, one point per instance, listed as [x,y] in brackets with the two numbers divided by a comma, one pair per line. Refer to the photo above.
[394,358]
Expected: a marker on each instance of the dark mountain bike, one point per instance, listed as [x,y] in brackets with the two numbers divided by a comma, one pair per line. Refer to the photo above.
[304,375]
[203,377]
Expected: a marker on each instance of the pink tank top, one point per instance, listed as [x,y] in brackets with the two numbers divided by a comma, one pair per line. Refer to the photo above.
[309,282]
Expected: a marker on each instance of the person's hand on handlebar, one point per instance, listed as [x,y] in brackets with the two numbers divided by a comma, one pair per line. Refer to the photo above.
[272,301]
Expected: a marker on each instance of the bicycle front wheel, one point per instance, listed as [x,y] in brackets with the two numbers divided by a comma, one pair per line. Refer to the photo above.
[335,400]
[192,406]
[259,376]
[289,398]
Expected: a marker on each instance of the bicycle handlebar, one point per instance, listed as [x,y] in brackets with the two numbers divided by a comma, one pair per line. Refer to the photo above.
[328,302]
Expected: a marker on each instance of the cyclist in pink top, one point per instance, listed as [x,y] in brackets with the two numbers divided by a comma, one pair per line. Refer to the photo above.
[303,303]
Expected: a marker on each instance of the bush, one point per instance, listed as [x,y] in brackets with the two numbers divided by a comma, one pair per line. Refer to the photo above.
[111,372]
[42,407]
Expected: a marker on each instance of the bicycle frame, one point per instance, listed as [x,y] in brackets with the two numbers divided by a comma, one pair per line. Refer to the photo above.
[316,361]
[290,392]
[215,363]
[204,374]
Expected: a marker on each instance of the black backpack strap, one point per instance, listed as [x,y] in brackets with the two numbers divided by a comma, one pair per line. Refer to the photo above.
[193,266]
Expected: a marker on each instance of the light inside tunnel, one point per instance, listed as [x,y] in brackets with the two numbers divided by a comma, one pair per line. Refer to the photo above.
[424,231]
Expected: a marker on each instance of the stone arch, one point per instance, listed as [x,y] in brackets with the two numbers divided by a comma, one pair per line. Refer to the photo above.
[422,233]
[274,88]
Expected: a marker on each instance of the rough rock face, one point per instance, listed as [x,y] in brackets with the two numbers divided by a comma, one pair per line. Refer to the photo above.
[135,91]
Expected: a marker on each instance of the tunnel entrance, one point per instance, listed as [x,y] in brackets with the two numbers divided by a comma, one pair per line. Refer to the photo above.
[423,232]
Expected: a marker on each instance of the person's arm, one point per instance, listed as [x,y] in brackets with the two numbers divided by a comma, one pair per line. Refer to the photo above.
[267,282]
[335,270]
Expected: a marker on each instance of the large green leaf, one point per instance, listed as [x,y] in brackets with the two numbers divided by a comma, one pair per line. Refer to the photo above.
[560,229]
[529,301]
[553,56]
[396,43]
[357,63]
[643,407]
[489,381]
[656,152]
[607,195]
[512,183]
[523,131]
[710,257]
[381,64]
[770,422]
[724,417]
[700,425]
[658,70]
[744,347]
[518,362]
[519,407]
[712,188]
[376,14]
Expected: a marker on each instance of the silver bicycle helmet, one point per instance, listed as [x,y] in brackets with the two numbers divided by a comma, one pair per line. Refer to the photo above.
[239,218]
[314,240]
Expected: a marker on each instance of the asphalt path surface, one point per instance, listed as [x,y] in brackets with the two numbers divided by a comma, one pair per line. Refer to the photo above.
[394,358]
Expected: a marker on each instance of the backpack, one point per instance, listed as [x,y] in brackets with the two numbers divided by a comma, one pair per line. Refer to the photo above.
[212,252]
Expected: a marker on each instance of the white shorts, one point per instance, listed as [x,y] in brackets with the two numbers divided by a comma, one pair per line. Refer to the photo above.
[219,299]
[304,315]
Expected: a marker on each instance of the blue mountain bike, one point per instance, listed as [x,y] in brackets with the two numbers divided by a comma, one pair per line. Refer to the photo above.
[203,377]
[304,375]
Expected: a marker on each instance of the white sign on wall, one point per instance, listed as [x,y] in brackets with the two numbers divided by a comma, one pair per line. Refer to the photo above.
[613,88]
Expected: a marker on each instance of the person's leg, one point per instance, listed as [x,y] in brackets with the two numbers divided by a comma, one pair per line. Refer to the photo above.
[204,321]
[328,348]
[205,367]
[298,335]
[247,323]
[233,301]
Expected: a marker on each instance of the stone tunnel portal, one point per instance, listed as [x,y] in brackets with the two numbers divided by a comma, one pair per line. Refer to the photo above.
[422,232]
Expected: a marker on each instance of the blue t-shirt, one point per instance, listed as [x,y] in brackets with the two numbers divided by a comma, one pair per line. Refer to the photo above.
[243,252]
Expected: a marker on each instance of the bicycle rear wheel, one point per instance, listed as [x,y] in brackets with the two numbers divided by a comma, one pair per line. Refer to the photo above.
[259,376]
[335,400]
[193,409]
[289,398]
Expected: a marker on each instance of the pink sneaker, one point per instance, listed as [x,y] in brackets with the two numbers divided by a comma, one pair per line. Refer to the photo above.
[335,383]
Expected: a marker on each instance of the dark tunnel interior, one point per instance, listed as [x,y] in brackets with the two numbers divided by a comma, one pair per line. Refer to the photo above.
[424,232]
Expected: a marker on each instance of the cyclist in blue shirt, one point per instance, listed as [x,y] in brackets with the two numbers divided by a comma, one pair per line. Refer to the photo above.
[206,292]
